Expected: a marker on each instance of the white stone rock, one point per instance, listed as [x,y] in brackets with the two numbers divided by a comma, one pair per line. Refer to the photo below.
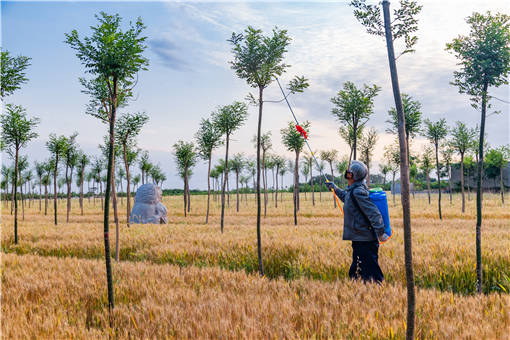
[148,208]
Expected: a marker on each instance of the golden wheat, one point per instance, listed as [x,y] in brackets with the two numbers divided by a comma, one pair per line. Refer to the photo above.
[48,294]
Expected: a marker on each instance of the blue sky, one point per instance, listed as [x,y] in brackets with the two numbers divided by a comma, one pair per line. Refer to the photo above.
[189,75]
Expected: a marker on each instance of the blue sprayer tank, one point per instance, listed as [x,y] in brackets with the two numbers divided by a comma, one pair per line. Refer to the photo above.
[378,196]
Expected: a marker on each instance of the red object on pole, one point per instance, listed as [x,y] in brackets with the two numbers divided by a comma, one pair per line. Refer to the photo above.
[301,131]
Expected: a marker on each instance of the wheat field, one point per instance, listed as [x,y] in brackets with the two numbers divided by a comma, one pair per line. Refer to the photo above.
[187,280]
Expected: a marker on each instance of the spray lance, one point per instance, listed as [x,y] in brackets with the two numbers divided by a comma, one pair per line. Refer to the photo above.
[303,133]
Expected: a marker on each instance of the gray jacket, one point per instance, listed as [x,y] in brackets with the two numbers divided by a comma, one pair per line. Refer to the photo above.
[356,227]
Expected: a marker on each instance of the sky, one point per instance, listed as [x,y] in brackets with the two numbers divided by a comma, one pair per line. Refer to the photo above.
[189,75]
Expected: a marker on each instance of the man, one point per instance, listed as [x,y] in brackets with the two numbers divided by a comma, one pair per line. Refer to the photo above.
[363,224]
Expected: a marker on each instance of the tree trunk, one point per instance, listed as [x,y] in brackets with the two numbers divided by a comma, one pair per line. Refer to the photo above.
[128,186]
[40,194]
[276,190]
[450,182]
[55,189]
[15,195]
[22,197]
[68,195]
[224,183]
[501,185]
[109,178]
[427,176]
[264,181]
[259,128]
[404,176]
[462,181]
[185,192]
[237,190]
[188,195]
[438,181]
[82,178]
[115,213]
[296,187]
[354,141]
[45,200]
[479,193]
[208,189]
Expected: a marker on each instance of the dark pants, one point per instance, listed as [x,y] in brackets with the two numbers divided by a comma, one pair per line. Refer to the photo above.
[365,263]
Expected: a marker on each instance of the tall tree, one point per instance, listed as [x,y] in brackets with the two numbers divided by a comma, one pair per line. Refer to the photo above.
[128,128]
[48,167]
[498,158]
[228,119]
[293,141]
[353,107]
[258,59]
[57,146]
[17,131]
[208,138]
[426,166]
[392,157]
[384,168]
[412,118]
[39,171]
[404,25]
[330,157]
[309,160]
[144,164]
[484,58]
[347,134]
[462,140]
[279,163]
[237,165]
[83,161]
[366,149]
[447,155]
[342,166]
[265,144]
[436,132]
[70,159]
[12,72]
[113,56]
[186,158]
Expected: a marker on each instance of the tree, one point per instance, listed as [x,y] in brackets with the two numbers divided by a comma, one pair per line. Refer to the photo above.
[353,108]
[186,158]
[392,157]
[144,164]
[342,166]
[113,56]
[265,144]
[127,129]
[48,168]
[404,25]
[484,58]
[237,165]
[293,141]
[12,72]
[208,138]
[412,118]
[57,146]
[499,158]
[17,131]
[39,171]
[228,119]
[83,161]
[347,134]
[279,163]
[384,169]
[435,132]
[309,161]
[258,59]
[70,158]
[468,165]
[330,156]
[366,149]
[462,140]
[447,155]
[426,166]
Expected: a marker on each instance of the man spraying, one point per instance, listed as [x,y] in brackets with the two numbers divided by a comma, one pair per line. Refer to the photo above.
[363,224]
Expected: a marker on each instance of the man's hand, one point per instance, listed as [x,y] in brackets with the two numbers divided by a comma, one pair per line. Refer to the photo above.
[330,185]
[383,238]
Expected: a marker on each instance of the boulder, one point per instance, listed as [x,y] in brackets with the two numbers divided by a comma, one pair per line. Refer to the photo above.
[148,207]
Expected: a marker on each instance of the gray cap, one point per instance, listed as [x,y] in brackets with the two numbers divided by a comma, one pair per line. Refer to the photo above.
[359,170]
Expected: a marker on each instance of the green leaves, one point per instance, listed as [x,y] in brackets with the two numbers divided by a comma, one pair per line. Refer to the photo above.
[354,106]
[185,156]
[412,114]
[128,127]
[484,54]
[229,118]
[292,139]
[258,58]
[17,128]
[12,72]
[462,137]
[435,132]
[404,22]
[208,138]
[298,84]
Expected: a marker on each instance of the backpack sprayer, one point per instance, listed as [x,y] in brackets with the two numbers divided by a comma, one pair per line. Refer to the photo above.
[303,133]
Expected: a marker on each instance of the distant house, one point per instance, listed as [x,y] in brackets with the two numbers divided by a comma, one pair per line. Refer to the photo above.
[487,183]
